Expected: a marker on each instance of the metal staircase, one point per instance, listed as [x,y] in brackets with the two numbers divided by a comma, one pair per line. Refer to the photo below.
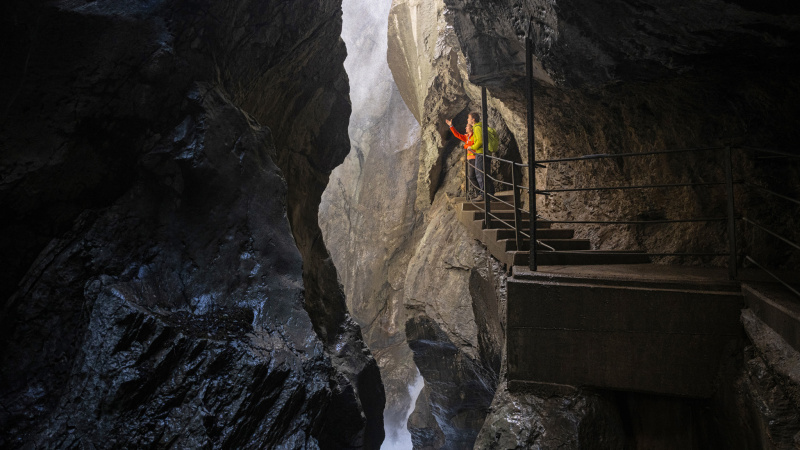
[555,246]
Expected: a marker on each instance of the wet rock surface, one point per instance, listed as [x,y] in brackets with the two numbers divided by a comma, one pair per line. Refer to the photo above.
[157,294]
[566,419]
[414,281]
[452,327]
[610,78]
[367,215]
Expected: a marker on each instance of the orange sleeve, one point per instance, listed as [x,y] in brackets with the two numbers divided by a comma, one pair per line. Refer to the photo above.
[460,136]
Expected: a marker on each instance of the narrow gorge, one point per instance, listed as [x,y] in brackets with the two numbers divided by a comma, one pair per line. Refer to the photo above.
[237,224]
[611,79]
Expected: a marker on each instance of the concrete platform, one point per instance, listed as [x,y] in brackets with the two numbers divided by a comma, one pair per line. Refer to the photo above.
[643,275]
[644,328]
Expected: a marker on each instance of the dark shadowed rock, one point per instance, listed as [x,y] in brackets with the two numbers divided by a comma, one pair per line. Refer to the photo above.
[569,419]
[157,293]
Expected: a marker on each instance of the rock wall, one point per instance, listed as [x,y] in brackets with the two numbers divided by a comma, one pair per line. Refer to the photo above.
[610,78]
[155,293]
[620,78]
[367,214]
[392,232]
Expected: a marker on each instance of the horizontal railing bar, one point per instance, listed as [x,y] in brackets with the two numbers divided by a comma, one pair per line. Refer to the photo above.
[502,182]
[644,186]
[501,221]
[688,254]
[623,155]
[538,217]
[493,178]
[525,166]
[773,193]
[771,232]
[777,278]
[641,222]
[602,252]
[772,151]
[528,236]
[539,242]
[500,159]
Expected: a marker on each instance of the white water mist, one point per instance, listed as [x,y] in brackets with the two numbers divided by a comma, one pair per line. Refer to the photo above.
[399,438]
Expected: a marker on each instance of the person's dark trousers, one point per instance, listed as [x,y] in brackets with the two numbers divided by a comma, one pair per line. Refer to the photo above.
[473,179]
[479,165]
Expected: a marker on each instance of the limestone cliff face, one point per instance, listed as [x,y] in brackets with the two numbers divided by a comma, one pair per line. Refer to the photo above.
[610,78]
[155,293]
[393,233]
[367,213]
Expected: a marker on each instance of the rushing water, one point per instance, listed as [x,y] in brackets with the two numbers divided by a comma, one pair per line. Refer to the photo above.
[400,438]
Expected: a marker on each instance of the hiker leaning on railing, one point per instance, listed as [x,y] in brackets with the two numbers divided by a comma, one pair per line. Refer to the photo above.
[474,119]
[467,140]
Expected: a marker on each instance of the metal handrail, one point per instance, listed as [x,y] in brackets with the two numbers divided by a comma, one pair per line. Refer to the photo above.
[642,222]
[624,155]
[497,158]
[518,189]
[777,278]
[767,230]
[772,151]
[644,186]
[761,227]
[772,193]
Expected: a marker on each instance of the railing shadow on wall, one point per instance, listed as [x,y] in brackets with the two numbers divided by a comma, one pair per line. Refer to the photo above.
[724,154]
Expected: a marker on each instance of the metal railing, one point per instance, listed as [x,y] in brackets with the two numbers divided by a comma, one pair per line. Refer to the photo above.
[767,229]
[521,233]
[535,245]
[490,218]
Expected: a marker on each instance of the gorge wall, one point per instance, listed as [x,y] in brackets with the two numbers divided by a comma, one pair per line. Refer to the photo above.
[164,280]
[610,77]
[366,213]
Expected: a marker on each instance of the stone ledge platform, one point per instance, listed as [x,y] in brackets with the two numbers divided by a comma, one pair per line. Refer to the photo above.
[642,328]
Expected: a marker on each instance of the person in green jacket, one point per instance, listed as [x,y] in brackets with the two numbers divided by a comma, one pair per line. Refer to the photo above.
[474,119]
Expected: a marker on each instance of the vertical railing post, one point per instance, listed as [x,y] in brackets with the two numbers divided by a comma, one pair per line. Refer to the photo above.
[487,203]
[531,145]
[466,176]
[731,211]
[517,212]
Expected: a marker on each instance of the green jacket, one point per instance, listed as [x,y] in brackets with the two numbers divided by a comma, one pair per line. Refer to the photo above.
[477,138]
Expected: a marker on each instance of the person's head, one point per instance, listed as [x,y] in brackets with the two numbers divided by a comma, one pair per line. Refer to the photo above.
[469,129]
[473,118]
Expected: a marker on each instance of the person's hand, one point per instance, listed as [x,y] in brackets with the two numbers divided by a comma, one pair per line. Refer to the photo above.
[448,122]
